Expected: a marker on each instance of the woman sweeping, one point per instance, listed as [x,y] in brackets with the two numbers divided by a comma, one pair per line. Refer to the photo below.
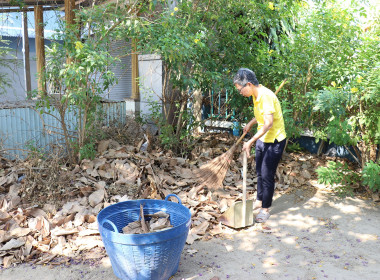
[270,137]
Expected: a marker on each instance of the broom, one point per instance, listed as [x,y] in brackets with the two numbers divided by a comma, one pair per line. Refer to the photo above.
[213,173]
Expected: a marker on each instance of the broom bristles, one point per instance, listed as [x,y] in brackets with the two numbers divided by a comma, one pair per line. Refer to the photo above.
[212,174]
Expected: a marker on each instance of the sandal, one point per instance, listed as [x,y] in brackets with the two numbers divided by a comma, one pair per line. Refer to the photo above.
[262,217]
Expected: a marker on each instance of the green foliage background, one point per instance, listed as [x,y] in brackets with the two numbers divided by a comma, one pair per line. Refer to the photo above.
[327,50]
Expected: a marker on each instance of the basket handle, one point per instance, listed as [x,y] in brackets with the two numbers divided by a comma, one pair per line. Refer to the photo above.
[111,223]
[176,196]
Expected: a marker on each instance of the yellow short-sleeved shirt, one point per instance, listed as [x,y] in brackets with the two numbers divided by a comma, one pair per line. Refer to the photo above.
[267,103]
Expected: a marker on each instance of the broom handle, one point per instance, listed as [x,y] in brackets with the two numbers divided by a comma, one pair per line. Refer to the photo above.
[241,138]
[280,87]
[244,187]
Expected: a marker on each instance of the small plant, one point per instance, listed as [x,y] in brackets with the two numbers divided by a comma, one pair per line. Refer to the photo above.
[294,147]
[87,151]
[371,176]
[179,137]
[339,176]
[34,150]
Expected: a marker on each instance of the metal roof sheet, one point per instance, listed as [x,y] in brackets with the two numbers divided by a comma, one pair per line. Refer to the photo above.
[11,24]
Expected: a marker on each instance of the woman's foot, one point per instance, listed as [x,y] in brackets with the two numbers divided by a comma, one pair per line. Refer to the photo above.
[257,205]
[263,216]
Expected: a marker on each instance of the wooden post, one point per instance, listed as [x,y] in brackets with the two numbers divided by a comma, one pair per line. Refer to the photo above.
[135,71]
[40,47]
[69,18]
[25,51]
[69,11]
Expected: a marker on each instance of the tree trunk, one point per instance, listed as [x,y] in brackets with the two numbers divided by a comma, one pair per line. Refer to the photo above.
[197,108]
[372,152]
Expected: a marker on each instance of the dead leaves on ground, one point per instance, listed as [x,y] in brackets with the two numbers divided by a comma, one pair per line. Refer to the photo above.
[39,232]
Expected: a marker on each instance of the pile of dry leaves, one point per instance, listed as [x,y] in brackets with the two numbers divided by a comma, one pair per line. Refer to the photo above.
[65,228]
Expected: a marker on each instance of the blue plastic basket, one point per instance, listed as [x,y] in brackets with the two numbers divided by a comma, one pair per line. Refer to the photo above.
[153,256]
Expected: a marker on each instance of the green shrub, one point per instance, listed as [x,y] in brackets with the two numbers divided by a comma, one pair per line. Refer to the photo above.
[339,176]
[293,147]
[371,175]
[87,151]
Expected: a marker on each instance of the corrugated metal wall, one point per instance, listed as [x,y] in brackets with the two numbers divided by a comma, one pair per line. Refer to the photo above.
[122,70]
[23,128]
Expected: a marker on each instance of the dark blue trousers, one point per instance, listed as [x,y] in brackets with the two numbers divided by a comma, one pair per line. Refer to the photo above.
[267,156]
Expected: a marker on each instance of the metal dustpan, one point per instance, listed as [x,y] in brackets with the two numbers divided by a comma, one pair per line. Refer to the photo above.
[240,214]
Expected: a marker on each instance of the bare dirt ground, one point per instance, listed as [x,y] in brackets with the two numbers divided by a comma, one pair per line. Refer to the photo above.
[314,236]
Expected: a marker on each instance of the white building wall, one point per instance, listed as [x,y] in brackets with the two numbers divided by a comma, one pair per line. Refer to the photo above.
[17,90]
[150,80]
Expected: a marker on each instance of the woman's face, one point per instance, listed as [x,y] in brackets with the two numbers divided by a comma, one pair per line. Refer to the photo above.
[244,90]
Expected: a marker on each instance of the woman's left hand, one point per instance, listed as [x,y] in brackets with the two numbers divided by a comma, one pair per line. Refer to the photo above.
[247,147]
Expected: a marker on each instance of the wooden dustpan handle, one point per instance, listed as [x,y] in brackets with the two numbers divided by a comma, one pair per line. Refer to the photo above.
[244,186]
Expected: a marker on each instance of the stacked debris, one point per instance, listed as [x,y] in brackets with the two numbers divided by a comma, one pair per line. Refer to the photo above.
[158,221]
[43,232]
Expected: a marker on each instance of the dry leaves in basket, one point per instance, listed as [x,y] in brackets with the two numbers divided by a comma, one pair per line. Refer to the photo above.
[158,221]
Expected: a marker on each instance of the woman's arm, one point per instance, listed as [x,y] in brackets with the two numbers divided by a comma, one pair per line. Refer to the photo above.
[268,123]
[249,125]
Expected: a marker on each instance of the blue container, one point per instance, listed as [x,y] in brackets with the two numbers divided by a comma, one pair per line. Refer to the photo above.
[235,128]
[152,256]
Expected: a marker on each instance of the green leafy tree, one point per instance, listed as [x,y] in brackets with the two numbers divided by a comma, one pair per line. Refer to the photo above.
[4,63]
[349,106]
[77,71]
[203,43]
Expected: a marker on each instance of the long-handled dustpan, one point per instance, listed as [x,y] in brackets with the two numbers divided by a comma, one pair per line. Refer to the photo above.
[240,214]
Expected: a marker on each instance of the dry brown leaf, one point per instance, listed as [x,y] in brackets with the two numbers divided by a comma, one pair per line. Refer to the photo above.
[192,237]
[223,205]
[105,174]
[7,261]
[99,162]
[59,231]
[132,228]
[96,197]
[103,146]
[79,219]
[193,203]
[15,200]
[93,173]
[205,215]
[306,174]
[14,233]
[14,190]
[4,216]
[88,232]
[184,172]
[166,178]
[46,259]
[13,243]
[376,197]
[87,164]
[88,242]
[201,228]
[35,212]
[217,229]
[86,190]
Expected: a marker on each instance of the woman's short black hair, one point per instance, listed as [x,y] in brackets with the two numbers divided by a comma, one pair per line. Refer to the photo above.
[244,76]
